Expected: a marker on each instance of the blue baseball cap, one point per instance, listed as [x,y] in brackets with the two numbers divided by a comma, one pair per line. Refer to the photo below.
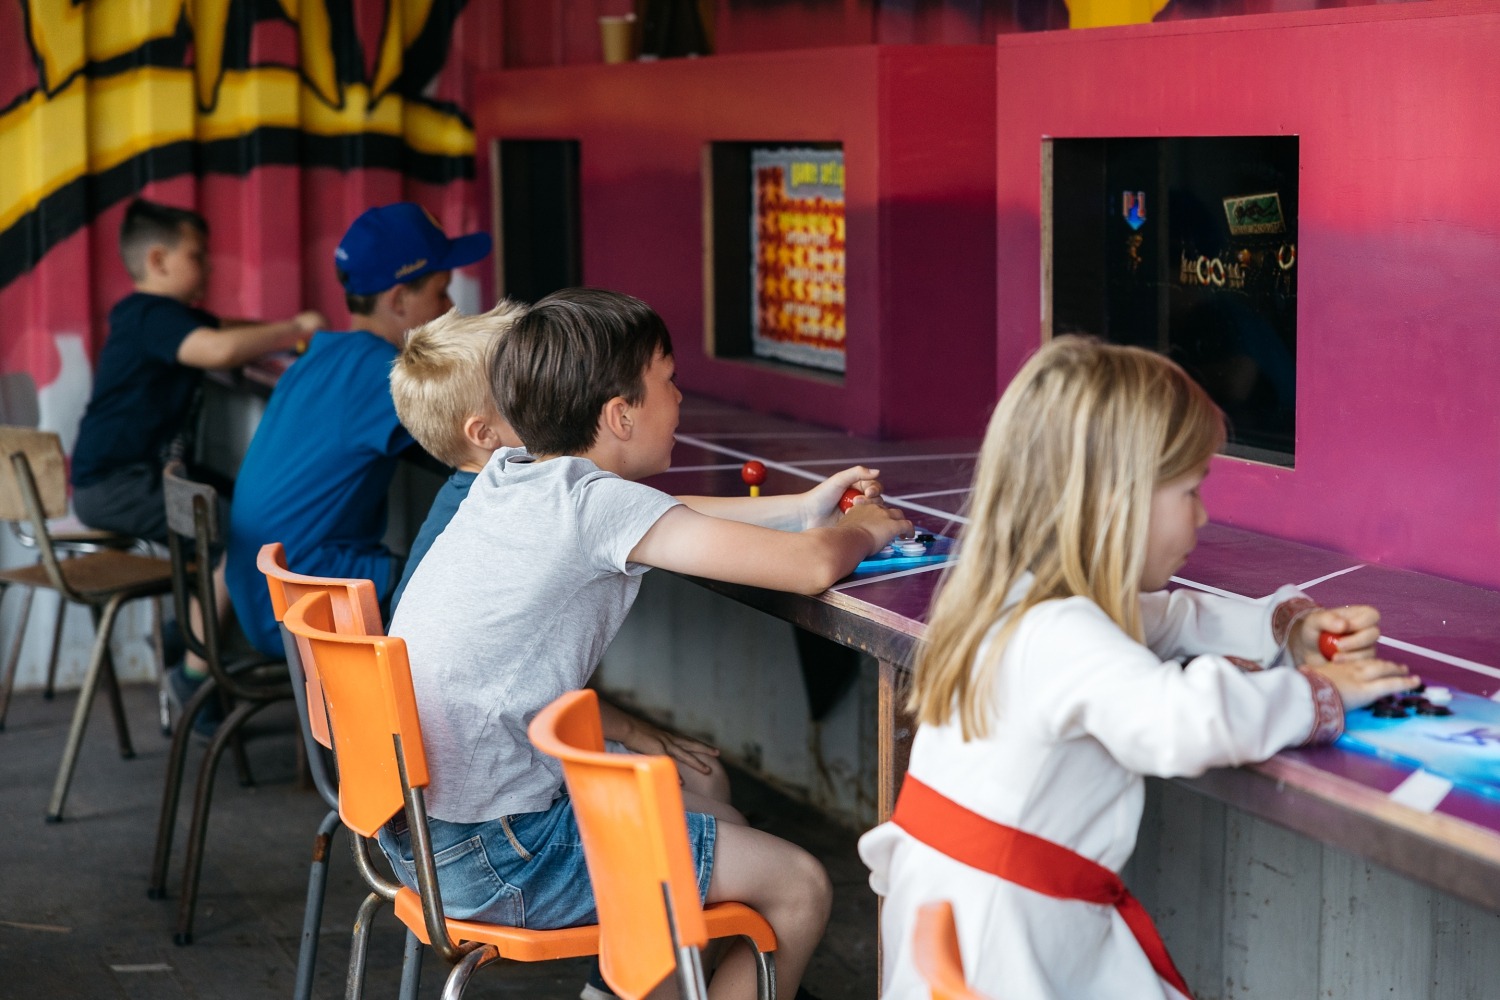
[392,244]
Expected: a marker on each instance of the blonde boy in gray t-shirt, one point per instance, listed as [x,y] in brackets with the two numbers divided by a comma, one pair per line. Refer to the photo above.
[518,598]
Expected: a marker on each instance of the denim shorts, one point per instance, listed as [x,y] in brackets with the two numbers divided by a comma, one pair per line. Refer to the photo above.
[523,870]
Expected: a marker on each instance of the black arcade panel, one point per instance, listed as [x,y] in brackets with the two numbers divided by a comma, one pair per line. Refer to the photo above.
[1187,246]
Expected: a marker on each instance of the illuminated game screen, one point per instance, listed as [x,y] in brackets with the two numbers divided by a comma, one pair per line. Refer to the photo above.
[797,256]
[774,255]
[1187,246]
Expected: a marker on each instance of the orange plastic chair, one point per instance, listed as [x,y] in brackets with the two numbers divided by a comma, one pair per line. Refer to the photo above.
[631,819]
[935,949]
[377,741]
[356,611]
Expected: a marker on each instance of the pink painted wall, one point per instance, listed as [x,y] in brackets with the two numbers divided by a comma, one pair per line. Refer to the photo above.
[1398,429]
[914,122]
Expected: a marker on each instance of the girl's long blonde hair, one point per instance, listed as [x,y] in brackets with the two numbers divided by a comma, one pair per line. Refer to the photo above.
[1074,450]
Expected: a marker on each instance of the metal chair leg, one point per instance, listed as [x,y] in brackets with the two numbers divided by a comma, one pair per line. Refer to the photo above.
[765,973]
[81,712]
[458,979]
[50,688]
[411,967]
[198,830]
[13,661]
[166,823]
[111,682]
[359,945]
[312,911]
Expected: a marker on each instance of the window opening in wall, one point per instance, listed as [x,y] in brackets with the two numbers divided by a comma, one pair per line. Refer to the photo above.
[776,263]
[537,226]
[1187,246]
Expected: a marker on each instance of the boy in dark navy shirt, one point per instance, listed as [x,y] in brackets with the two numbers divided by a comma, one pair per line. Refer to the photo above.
[147,375]
[159,340]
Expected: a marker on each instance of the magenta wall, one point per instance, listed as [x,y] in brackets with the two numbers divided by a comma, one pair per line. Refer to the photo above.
[915,123]
[1398,429]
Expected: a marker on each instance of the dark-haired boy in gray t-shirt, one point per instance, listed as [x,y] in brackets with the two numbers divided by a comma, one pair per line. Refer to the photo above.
[518,598]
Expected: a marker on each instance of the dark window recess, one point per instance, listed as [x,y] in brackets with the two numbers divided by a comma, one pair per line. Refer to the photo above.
[538,245]
[1187,246]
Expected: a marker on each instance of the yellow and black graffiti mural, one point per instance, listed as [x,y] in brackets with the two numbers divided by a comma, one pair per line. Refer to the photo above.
[100,97]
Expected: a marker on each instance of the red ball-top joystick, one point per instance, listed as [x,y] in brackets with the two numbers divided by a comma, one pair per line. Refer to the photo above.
[1328,645]
[753,473]
[847,500]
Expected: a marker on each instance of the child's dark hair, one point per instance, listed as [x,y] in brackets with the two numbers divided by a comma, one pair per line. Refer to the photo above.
[147,224]
[566,357]
[364,305]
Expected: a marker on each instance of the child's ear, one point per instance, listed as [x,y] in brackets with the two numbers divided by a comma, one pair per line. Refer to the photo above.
[156,256]
[615,418]
[397,301]
[489,432]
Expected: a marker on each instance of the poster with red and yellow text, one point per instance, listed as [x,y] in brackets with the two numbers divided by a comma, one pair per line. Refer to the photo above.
[797,249]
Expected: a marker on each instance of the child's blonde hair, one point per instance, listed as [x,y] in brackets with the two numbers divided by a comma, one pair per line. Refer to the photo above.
[1074,451]
[441,377]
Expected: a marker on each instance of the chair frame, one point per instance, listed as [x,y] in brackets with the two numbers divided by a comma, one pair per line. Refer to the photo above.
[64,544]
[642,793]
[245,687]
[369,797]
[356,611]
[138,578]
[936,953]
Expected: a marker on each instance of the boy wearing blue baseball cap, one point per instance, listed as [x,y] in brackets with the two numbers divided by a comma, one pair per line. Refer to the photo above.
[317,472]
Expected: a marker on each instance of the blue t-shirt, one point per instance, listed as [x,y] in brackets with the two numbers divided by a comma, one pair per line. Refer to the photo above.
[438,515]
[316,476]
[142,393]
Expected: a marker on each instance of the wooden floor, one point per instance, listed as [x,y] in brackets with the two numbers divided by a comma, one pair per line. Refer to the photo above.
[75,920]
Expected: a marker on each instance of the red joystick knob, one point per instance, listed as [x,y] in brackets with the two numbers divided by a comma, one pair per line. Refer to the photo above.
[753,473]
[847,500]
[1328,645]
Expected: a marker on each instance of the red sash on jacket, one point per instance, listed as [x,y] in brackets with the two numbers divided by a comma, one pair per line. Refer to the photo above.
[1027,860]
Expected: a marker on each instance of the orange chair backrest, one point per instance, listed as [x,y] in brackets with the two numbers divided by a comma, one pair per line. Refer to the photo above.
[368,692]
[356,611]
[935,949]
[631,819]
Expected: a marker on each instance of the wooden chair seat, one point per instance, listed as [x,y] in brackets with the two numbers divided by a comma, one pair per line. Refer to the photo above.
[99,576]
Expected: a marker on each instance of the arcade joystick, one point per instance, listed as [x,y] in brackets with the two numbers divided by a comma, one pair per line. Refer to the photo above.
[753,473]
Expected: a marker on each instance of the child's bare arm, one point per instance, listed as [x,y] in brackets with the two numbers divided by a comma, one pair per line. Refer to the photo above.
[792,511]
[804,562]
[640,736]
[232,346]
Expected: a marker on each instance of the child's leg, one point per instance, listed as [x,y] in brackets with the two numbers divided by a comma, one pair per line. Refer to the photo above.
[788,887]
[195,665]
[719,808]
[713,786]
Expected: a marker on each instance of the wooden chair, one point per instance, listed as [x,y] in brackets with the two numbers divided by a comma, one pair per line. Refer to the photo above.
[248,685]
[935,950]
[377,742]
[33,488]
[631,820]
[356,611]
[66,544]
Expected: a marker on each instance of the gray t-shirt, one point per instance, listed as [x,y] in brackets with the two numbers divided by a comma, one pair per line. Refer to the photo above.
[512,606]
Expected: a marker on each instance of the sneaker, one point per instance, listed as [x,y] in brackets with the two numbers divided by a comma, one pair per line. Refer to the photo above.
[181,686]
[596,988]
